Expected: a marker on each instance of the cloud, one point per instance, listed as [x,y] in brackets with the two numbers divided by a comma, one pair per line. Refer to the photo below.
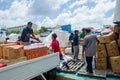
[41,12]
[77,3]
[16,14]
[2,0]
[85,16]
[45,7]
[47,22]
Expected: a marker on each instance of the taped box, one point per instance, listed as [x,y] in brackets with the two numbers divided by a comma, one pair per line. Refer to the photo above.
[117,29]
[107,38]
[101,60]
[102,66]
[101,63]
[112,45]
[115,63]
[13,52]
[13,61]
[113,52]
[119,36]
[100,47]
[4,45]
[101,54]
[118,42]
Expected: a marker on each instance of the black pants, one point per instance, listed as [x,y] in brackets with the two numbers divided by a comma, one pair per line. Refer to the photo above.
[72,48]
[89,64]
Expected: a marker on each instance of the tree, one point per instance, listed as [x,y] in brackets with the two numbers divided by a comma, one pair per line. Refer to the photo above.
[13,31]
[43,29]
[36,32]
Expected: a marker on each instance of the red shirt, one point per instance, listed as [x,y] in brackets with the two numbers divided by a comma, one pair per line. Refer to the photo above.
[55,46]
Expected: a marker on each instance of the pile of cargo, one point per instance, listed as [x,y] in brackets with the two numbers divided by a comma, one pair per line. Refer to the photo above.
[34,51]
[108,52]
[12,53]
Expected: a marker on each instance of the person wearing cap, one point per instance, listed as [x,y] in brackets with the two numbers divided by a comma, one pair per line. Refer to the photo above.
[27,33]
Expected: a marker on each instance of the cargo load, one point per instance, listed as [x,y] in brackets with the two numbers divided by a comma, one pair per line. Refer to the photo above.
[115,63]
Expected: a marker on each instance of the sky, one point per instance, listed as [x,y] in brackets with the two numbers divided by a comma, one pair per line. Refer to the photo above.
[49,13]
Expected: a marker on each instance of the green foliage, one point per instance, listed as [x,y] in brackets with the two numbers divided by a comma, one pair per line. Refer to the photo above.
[14,31]
[36,32]
[43,29]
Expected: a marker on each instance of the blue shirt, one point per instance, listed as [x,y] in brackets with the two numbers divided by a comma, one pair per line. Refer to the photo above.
[26,31]
[70,37]
[75,40]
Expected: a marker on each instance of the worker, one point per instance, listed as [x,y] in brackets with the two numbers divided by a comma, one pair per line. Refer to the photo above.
[27,33]
[55,47]
[83,33]
[71,41]
[89,49]
[76,45]
[19,38]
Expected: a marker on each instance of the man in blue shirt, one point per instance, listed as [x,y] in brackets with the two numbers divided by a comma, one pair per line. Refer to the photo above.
[76,45]
[27,33]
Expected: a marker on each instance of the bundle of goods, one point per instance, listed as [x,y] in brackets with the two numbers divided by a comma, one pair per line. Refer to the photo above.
[101,63]
[101,60]
[13,52]
[108,51]
[2,46]
[115,63]
[34,51]
[12,61]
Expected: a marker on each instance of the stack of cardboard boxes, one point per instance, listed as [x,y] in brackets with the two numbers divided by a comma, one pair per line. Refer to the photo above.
[11,53]
[108,52]
[101,55]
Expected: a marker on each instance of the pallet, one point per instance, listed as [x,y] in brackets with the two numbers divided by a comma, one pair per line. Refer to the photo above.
[73,66]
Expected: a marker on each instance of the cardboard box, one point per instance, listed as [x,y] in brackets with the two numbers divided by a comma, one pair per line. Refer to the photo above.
[101,63]
[107,38]
[119,36]
[119,42]
[113,52]
[101,60]
[13,61]
[2,46]
[102,66]
[35,51]
[112,45]
[117,29]
[13,52]
[115,63]
[101,54]
[100,47]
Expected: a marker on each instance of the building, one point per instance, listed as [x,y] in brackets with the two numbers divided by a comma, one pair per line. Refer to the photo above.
[20,28]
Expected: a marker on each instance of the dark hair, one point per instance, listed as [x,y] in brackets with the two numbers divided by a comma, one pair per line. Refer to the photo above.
[29,23]
[54,35]
[7,38]
[83,29]
[72,34]
[88,30]
[76,31]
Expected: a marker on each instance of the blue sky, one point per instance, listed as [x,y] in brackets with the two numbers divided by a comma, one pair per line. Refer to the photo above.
[78,13]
